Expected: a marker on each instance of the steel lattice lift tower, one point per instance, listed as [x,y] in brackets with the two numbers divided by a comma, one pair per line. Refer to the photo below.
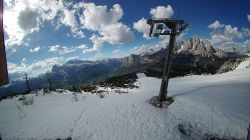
[172,27]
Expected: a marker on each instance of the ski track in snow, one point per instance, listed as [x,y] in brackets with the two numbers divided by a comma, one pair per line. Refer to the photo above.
[76,121]
[213,104]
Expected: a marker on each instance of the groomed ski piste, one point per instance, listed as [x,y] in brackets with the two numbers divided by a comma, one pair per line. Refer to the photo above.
[204,105]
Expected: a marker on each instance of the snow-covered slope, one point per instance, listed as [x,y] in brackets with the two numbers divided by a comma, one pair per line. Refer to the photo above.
[205,104]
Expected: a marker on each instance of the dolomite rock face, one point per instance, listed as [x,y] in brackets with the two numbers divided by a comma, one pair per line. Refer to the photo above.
[198,46]
[194,56]
[194,46]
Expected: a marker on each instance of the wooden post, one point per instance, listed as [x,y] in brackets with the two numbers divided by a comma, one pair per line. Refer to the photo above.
[168,59]
[27,83]
[3,62]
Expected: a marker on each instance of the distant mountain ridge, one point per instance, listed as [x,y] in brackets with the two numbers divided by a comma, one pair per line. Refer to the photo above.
[194,56]
[195,46]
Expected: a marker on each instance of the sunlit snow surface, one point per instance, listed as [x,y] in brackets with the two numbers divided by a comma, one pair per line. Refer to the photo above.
[210,104]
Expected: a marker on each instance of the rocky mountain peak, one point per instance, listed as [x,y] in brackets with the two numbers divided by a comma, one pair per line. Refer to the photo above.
[197,46]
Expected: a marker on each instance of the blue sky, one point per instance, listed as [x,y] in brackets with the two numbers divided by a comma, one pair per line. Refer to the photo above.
[41,33]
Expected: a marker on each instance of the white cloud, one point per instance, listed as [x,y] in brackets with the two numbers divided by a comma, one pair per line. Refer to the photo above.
[106,23]
[97,42]
[35,49]
[218,39]
[141,49]
[78,33]
[60,49]
[248,18]
[157,12]
[116,51]
[117,33]
[30,16]
[49,9]
[232,32]
[13,50]
[14,32]
[245,32]
[247,44]
[145,48]
[69,19]
[97,17]
[28,20]
[88,50]
[34,69]
[216,25]
[142,26]
[23,17]
[83,47]
[97,57]
[162,12]
[228,36]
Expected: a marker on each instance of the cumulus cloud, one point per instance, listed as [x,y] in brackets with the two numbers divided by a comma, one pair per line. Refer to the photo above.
[24,17]
[28,19]
[30,16]
[35,49]
[247,44]
[142,26]
[145,49]
[217,39]
[106,23]
[245,32]
[60,49]
[232,32]
[157,12]
[97,42]
[97,17]
[15,33]
[216,25]
[228,36]
[69,19]
[162,12]
[117,33]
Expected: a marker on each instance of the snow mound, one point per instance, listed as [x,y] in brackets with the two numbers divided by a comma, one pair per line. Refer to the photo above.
[141,75]
[243,65]
[204,105]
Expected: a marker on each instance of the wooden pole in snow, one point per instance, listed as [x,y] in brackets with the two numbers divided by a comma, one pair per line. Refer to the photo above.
[3,63]
[175,27]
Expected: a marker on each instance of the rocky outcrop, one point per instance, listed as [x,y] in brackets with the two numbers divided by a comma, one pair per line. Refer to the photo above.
[131,59]
[195,56]
[197,46]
